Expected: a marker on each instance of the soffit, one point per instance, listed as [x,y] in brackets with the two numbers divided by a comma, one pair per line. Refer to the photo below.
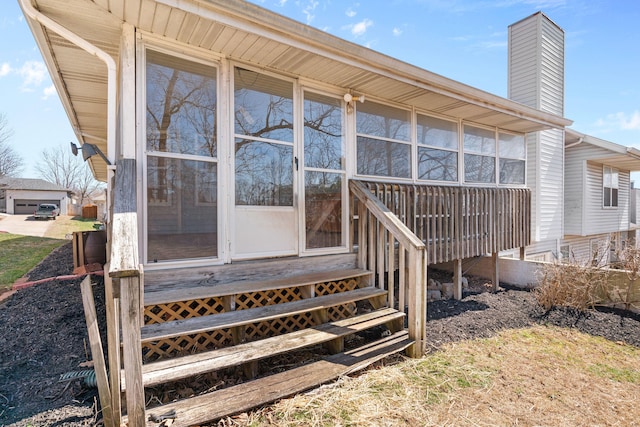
[246,33]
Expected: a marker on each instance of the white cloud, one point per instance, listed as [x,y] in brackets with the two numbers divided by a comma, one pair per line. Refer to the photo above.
[308,11]
[5,69]
[361,27]
[33,74]
[621,121]
[48,91]
[281,3]
[350,13]
[397,32]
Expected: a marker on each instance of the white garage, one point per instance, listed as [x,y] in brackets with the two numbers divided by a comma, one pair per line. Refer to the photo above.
[23,195]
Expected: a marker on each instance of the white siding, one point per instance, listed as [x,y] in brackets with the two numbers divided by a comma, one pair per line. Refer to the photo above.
[574,188]
[599,219]
[536,78]
[523,63]
[536,64]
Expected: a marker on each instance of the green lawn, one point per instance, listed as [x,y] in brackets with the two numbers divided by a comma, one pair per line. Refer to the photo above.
[19,254]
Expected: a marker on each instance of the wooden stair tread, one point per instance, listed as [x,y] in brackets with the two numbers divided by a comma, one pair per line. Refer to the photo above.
[248,395]
[186,366]
[195,325]
[181,292]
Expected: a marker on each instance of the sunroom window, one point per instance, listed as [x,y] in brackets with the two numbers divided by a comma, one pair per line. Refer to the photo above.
[479,155]
[437,149]
[181,158]
[384,140]
[512,152]
[610,187]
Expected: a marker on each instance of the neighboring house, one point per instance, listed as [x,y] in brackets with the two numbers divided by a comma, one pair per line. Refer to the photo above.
[598,209]
[97,198]
[269,177]
[23,195]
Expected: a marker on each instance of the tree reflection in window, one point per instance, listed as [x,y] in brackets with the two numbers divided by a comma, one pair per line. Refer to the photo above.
[384,136]
[263,115]
[437,149]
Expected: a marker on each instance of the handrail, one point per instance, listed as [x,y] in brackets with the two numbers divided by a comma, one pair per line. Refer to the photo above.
[124,232]
[378,231]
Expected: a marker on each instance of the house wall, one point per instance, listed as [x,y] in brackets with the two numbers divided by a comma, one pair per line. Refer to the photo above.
[12,195]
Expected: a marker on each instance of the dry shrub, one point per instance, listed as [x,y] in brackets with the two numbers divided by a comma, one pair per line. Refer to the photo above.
[573,285]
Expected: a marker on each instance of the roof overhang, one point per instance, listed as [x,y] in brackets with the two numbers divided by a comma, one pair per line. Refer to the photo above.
[249,34]
[618,156]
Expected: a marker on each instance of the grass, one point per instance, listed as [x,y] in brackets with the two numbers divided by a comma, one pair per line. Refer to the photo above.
[535,376]
[19,254]
[65,225]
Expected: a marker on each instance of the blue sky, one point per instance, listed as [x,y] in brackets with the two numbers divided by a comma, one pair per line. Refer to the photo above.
[462,40]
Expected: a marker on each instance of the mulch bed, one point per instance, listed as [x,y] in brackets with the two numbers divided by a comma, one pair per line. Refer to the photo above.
[43,335]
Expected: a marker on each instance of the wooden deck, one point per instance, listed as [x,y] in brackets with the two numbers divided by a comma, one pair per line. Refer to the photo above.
[202,320]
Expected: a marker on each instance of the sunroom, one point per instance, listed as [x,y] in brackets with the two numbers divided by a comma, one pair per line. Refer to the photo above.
[272,188]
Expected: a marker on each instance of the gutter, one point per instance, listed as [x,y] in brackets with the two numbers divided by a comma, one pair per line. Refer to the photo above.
[48,23]
[573,144]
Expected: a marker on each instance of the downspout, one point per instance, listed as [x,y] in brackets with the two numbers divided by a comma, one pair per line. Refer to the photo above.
[48,23]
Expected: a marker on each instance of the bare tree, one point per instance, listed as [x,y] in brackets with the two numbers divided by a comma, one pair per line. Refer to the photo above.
[10,162]
[61,167]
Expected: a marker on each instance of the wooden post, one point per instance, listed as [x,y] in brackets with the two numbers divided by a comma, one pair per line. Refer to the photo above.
[132,353]
[95,343]
[495,278]
[417,319]
[457,279]
[113,345]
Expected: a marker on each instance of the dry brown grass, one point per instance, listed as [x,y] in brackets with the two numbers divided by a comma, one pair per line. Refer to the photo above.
[536,376]
[572,285]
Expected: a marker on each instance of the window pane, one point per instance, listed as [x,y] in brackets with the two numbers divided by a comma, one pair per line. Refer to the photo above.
[181,106]
[383,121]
[480,141]
[614,178]
[512,171]
[323,209]
[437,133]
[264,173]
[479,168]
[322,132]
[512,146]
[182,212]
[263,106]
[607,196]
[614,197]
[437,164]
[383,158]
[606,177]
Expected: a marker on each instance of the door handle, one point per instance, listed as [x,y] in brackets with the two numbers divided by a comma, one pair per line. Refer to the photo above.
[295,159]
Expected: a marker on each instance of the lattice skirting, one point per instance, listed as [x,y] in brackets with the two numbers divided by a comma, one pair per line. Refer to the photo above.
[224,337]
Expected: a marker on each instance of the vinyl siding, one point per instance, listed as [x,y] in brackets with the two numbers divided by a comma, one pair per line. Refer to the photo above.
[536,64]
[574,190]
[551,168]
[599,219]
[536,78]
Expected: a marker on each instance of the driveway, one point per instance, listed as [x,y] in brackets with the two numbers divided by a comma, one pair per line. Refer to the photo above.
[24,225]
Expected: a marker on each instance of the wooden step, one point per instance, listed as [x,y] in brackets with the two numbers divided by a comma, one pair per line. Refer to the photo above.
[199,363]
[251,394]
[203,289]
[195,325]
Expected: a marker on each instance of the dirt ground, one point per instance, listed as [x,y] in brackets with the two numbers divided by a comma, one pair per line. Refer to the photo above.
[43,335]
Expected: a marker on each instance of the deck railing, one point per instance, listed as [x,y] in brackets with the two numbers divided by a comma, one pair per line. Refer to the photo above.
[383,239]
[460,222]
